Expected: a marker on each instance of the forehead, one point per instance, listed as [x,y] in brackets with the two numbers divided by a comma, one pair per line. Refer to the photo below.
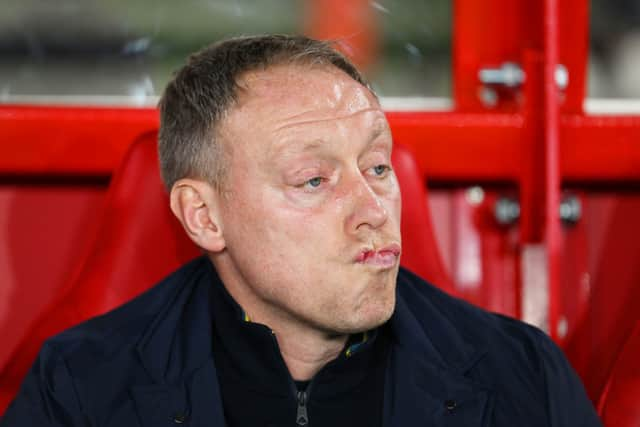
[286,96]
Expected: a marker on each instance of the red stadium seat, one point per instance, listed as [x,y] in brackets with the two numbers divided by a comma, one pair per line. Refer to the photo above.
[140,241]
[420,251]
[620,402]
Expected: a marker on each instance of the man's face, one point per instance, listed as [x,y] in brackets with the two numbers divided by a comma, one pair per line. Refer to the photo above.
[311,219]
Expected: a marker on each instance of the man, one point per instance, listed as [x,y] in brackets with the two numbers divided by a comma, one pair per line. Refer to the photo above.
[277,157]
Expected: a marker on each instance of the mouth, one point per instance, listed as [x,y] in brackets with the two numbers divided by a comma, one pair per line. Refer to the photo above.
[384,258]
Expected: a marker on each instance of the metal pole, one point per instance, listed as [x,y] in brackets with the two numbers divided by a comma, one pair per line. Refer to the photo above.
[552,174]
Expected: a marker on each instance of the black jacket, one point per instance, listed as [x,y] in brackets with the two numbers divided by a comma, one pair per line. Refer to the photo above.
[149,363]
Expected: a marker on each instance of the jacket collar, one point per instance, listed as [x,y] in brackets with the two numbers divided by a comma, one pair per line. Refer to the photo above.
[427,374]
[418,323]
[176,353]
[178,340]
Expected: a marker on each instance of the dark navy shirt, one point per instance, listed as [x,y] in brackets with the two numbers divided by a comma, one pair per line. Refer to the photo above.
[257,389]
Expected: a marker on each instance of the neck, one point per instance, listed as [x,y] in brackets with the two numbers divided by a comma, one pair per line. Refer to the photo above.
[305,354]
[305,349]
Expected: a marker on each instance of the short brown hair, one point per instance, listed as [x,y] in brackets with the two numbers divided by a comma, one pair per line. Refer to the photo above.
[199,94]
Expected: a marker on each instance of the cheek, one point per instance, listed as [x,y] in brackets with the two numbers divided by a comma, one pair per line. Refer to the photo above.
[307,227]
[393,204]
[271,224]
[244,221]
[397,208]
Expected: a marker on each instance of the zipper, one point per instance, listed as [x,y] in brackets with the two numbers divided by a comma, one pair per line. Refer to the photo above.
[302,417]
[302,397]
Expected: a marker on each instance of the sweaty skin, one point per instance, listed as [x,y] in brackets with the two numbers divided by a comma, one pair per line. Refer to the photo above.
[310,214]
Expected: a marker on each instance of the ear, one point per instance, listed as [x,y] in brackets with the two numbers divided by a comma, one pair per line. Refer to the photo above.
[195,203]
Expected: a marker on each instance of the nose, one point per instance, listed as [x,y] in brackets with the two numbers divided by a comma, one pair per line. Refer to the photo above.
[368,211]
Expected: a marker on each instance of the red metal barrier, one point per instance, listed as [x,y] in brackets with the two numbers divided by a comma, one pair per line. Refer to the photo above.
[451,147]
[68,140]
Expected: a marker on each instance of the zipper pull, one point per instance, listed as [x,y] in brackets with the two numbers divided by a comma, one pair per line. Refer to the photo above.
[302,418]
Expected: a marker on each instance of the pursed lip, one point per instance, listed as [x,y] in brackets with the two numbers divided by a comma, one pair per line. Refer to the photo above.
[385,256]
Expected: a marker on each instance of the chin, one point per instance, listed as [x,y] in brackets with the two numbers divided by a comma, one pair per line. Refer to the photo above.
[371,316]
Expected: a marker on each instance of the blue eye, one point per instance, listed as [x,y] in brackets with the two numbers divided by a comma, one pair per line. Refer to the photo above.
[314,182]
[381,170]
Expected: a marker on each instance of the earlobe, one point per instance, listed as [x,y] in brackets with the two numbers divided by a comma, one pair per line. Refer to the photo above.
[194,203]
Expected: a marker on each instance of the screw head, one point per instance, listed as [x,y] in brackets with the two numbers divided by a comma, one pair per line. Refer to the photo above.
[506,211]
[450,405]
[475,195]
[562,76]
[488,96]
[570,210]
[563,327]
[180,418]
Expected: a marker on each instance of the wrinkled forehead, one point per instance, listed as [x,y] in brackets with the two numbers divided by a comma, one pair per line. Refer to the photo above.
[299,92]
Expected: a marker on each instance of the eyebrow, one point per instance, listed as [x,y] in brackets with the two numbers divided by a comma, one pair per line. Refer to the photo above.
[301,146]
[378,129]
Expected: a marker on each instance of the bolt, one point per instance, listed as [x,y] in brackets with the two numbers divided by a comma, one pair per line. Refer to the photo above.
[475,195]
[507,210]
[488,96]
[563,327]
[562,76]
[570,210]
[509,74]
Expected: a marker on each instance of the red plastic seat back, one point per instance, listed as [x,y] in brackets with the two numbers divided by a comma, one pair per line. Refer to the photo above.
[420,251]
[139,241]
[620,402]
